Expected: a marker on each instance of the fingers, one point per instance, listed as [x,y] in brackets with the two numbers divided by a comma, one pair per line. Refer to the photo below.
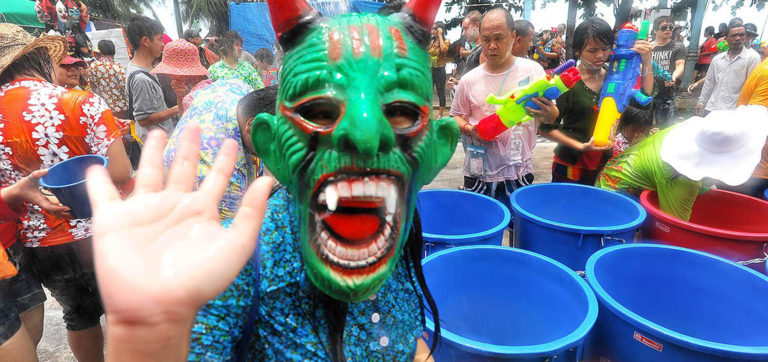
[149,176]
[216,181]
[247,223]
[182,174]
[38,174]
[101,190]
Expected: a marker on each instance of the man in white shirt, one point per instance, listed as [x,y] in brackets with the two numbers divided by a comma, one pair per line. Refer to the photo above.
[728,72]
[496,168]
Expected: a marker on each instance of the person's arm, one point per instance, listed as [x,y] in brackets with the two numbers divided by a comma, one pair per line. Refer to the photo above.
[644,48]
[444,44]
[152,290]
[142,91]
[709,86]
[119,166]
[27,189]
[679,69]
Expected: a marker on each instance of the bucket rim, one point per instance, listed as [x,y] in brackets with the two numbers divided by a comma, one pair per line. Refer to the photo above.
[44,184]
[544,349]
[721,349]
[469,237]
[689,226]
[601,230]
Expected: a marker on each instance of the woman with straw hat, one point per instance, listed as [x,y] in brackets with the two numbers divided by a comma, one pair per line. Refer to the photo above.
[42,125]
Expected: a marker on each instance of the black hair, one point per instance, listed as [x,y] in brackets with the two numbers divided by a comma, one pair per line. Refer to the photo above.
[441,25]
[735,23]
[661,20]
[35,63]
[262,100]
[191,33]
[391,7]
[227,41]
[635,117]
[523,27]
[592,28]
[141,26]
[709,30]
[264,55]
[507,17]
[722,26]
[106,47]
[751,28]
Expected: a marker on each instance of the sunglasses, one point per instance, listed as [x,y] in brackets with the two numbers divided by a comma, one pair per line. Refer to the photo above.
[666,27]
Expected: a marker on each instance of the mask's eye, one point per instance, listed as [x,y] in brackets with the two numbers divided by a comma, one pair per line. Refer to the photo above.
[402,114]
[322,111]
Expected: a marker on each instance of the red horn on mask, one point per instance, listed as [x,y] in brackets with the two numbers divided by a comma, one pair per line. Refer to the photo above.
[423,11]
[291,19]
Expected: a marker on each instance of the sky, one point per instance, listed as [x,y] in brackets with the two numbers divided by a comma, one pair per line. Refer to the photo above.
[541,18]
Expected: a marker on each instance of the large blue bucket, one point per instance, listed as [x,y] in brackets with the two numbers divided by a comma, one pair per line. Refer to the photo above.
[666,303]
[456,218]
[569,222]
[500,303]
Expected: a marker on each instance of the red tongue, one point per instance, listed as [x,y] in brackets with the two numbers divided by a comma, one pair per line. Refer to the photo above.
[353,227]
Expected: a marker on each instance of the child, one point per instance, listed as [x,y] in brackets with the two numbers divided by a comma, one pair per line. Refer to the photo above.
[634,126]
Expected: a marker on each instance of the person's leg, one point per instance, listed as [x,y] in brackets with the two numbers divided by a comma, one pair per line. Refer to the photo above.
[18,347]
[87,344]
[69,275]
[440,84]
[27,295]
[671,111]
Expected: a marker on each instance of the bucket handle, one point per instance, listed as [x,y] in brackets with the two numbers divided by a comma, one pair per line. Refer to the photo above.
[756,260]
[602,240]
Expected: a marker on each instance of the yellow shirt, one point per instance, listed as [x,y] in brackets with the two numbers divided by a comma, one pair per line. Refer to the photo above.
[438,56]
[755,91]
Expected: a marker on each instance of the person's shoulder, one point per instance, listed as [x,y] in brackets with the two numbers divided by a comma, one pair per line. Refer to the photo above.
[679,45]
[473,74]
[528,64]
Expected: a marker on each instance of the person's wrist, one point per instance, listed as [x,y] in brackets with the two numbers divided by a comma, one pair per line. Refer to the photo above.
[164,339]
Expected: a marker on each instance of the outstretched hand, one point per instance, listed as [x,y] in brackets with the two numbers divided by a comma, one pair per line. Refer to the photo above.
[162,253]
[27,189]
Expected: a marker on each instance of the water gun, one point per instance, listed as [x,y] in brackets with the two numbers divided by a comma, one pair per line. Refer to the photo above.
[622,82]
[658,72]
[719,47]
[757,44]
[512,105]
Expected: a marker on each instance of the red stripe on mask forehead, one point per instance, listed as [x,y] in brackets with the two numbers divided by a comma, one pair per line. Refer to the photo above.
[334,46]
[399,42]
[374,40]
[357,43]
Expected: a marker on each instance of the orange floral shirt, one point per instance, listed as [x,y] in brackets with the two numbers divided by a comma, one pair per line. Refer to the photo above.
[42,124]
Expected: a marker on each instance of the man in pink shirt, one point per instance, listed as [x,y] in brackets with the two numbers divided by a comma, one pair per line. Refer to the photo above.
[497,168]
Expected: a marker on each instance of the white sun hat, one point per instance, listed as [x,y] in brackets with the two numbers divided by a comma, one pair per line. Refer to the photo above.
[725,145]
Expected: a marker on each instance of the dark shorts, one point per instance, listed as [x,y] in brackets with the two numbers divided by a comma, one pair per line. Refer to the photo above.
[501,191]
[701,67]
[67,271]
[18,294]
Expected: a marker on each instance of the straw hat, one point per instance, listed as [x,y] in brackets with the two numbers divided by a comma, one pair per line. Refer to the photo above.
[15,42]
[180,57]
[725,145]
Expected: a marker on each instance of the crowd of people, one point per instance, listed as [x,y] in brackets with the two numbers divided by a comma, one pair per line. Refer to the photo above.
[190,129]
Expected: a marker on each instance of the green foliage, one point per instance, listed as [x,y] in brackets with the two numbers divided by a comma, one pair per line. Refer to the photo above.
[119,10]
[465,6]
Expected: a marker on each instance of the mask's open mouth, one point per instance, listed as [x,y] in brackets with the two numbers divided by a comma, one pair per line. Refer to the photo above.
[356,218]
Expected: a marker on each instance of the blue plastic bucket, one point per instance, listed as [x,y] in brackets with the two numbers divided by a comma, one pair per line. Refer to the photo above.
[66,180]
[569,222]
[457,218]
[666,303]
[765,194]
[496,302]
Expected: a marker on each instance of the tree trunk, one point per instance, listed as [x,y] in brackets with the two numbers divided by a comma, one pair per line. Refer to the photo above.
[177,13]
[573,5]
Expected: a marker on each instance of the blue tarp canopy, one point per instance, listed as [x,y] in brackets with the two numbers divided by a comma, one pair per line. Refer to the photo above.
[252,21]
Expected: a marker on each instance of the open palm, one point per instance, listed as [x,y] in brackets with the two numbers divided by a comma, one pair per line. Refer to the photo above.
[163,252]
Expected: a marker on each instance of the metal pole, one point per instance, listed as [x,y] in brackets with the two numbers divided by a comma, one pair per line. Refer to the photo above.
[693,47]
[527,9]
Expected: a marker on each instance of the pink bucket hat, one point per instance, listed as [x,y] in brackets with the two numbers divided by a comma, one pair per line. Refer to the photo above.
[180,57]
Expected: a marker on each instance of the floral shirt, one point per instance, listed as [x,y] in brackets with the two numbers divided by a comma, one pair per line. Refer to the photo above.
[272,76]
[214,108]
[187,100]
[244,71]
[107,79]
[384,327]
[41,125]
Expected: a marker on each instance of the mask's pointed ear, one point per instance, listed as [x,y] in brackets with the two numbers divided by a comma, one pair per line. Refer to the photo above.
[419,17]
[291,19]
[440,145]
[267,144]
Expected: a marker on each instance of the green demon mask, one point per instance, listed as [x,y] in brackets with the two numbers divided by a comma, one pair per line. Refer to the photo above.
[352,138]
